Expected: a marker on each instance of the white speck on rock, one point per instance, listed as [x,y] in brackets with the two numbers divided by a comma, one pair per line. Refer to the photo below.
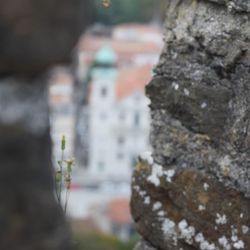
[156,173]
[221,219]
[186,92]
[136,188]
[239,245]
[161,213]
[245,229]
[223,241]
[186,232]
[230,6]
[201,208]
[234,238]
[147,200]
[224,161]
[205,245]
[147,156]
[199,238]
[203,105]
[175,85]
[205,186]
[169,174]
[142,193]
[241,215]
[168,228]
[157,206]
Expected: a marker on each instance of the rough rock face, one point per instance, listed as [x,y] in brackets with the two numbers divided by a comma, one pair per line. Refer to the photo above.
[194,191]
[34,35]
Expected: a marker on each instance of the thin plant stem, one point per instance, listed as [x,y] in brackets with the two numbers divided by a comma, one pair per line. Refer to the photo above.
[66,200]
[61,176]
[63,144]
[63,180]
[56,187]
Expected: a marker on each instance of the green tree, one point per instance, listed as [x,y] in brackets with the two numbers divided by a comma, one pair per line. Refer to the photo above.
[128,11]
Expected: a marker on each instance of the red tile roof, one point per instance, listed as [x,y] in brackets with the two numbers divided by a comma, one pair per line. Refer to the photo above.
[125,50]
[142,28]
[132,79]
[61,76]
[119,211]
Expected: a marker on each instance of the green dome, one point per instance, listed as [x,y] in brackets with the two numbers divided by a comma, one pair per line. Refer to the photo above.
[106,56]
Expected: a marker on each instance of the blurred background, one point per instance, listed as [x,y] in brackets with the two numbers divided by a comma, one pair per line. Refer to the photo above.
[99,104]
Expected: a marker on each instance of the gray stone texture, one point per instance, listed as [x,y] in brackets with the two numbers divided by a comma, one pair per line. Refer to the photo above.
[143,245]
[200,131]
[34,35]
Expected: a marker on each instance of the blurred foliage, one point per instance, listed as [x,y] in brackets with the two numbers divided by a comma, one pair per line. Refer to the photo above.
[120,11]
[100,241]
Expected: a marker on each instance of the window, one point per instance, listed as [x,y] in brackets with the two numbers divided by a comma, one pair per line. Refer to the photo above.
[104,92]
[120,155]
[120,140]
[136,119]
[133,161]
[122,116]
[101,166]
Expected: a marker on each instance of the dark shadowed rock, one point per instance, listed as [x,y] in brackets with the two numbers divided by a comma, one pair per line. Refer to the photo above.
[143,245]
[36,34]
[30,216]
[194,191]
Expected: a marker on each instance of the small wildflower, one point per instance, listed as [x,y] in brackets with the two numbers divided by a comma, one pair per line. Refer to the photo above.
[67,180]
[63,176]
[106,3]
[69,165]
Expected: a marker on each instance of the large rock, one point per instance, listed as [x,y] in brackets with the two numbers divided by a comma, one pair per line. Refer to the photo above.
[194,191]
[30,216]
[34,35]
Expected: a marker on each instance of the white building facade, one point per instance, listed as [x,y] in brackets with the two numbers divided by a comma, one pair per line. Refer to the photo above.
[118,121]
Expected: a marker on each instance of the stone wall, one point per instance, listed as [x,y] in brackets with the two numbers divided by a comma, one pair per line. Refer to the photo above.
[194,191]
[34,35]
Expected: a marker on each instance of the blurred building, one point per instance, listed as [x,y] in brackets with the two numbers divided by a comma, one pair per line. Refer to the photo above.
[115,66]
[62,117]
[134,44]
[119,218]
[113,217]
[118,116]
[138,33]
[112,121]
